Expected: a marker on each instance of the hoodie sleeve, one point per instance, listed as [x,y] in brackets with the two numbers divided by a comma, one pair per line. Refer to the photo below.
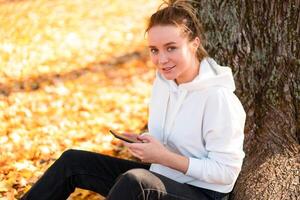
[223,134]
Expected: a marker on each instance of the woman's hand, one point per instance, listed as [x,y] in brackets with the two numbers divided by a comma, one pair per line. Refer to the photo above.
[150,151]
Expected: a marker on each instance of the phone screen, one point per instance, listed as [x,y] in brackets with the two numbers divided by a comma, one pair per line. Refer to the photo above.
[124,138]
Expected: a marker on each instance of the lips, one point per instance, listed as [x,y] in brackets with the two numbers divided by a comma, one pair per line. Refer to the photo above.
[167,69]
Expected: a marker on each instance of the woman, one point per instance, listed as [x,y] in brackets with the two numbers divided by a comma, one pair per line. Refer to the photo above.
[195,140]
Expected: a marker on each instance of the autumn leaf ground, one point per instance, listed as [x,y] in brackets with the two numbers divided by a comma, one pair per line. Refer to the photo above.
[69,71]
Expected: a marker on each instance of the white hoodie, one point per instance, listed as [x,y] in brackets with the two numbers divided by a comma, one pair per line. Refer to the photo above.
[204,121]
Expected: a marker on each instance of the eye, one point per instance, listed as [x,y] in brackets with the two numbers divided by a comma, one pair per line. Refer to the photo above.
[153,50]
[171,48]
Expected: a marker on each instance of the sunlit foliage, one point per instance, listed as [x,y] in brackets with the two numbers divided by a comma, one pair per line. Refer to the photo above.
[69,71]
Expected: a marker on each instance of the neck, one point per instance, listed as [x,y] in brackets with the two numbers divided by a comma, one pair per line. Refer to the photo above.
[190,74]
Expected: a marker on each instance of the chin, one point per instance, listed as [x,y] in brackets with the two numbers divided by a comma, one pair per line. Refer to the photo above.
[168,77]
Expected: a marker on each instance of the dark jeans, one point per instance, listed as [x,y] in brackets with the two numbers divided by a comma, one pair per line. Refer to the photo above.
[115,178]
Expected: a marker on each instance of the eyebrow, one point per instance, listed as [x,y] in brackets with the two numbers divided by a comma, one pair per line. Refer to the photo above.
[167,44]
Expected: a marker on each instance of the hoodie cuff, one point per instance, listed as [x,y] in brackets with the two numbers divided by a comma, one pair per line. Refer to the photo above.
[194,167]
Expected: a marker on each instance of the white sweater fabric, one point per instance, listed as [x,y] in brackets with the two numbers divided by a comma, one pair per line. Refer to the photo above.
[204,121]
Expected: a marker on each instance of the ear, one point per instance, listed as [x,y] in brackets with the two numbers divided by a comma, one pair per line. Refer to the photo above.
[196,43]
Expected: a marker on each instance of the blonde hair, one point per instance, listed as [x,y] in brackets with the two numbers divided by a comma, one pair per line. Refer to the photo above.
[182,14]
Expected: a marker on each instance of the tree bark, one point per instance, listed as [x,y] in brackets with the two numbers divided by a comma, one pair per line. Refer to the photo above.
[260,41]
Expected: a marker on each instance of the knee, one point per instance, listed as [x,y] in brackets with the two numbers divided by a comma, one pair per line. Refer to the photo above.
[134,176]
[130,182]
[129,185]
[68,156]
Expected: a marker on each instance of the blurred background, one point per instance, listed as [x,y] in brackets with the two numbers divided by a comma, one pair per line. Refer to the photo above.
[69,71]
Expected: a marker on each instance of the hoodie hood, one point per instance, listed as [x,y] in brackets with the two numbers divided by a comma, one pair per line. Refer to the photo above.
[210,75]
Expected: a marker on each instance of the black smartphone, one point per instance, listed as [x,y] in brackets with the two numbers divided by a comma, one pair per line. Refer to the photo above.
[124,138]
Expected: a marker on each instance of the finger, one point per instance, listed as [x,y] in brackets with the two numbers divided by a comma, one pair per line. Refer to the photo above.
[136,146]
[145,137]
[133,146]
[135,154]
[126,144]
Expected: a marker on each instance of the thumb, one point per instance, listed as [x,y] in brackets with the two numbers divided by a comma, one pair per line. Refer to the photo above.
[145,137]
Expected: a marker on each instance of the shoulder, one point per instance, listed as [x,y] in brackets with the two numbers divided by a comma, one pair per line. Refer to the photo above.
[222,100]
[220,94]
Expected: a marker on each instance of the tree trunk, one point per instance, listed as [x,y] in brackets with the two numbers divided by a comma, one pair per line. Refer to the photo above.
[260,41]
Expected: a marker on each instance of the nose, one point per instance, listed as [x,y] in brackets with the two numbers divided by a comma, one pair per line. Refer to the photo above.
[162,58]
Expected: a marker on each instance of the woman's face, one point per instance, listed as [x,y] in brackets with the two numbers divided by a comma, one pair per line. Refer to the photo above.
[172,53]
